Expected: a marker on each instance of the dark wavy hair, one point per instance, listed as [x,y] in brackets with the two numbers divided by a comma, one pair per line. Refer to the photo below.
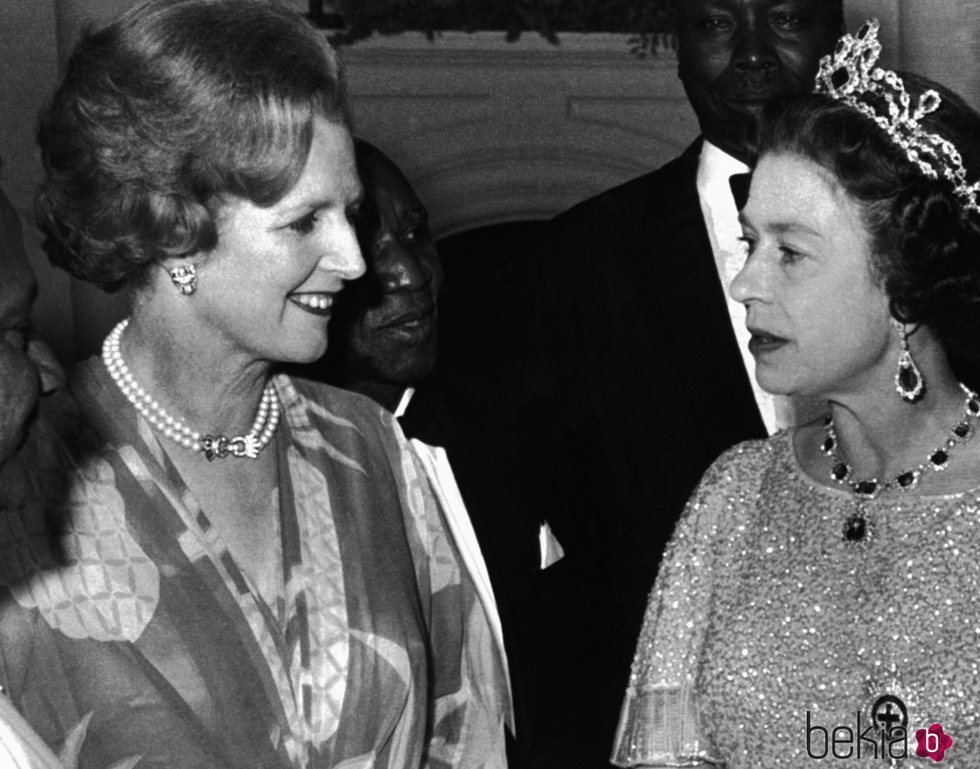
[163,113]
[925,245]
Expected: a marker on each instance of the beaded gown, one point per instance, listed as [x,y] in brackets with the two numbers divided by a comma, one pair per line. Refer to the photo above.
[768,628]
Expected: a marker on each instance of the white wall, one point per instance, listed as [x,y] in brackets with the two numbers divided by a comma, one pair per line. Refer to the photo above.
[941,40]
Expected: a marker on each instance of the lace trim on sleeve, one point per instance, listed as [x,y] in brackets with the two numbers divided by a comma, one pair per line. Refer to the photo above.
[661,726]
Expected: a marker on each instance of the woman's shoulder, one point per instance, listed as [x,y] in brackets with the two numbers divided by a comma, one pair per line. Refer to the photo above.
[730,487]
[749,459]
[331,409]
[343,403]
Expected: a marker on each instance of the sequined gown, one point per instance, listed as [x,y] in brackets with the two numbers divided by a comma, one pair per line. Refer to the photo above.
[767,628]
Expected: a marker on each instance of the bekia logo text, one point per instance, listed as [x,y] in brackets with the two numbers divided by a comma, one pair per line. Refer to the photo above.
[884,736]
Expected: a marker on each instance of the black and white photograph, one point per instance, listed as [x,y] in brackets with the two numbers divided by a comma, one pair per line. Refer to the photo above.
[489,384]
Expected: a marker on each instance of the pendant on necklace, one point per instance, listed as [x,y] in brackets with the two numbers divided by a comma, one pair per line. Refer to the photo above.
[859,526]
[855,528]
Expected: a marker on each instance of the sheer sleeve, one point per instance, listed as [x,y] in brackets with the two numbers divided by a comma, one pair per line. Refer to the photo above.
[661,722]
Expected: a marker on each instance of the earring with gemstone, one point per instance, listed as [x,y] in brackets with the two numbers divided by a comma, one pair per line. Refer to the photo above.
[184,277]
[909,382]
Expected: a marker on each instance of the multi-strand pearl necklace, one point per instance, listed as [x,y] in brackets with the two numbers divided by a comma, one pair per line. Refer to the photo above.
[248,445]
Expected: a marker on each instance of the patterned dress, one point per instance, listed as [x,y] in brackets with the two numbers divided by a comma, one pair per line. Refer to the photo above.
[772,638]
[128,629]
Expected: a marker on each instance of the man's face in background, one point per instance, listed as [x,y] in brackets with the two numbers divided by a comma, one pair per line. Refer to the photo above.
[735,55]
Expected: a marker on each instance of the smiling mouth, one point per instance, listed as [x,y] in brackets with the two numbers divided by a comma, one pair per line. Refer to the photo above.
[411,327]
[313,302]
[411,318]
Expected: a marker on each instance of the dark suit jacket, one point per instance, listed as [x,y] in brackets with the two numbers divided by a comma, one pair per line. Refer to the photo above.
[509,488]
[636,349]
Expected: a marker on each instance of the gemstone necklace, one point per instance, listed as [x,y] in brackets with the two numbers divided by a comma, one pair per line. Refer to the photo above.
[248,445]
[938,460]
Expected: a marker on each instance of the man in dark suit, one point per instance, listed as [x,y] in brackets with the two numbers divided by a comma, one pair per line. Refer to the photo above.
[637,340]
[384,344]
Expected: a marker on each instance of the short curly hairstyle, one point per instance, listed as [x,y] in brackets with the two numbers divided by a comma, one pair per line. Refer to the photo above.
[925,245]
[165,112]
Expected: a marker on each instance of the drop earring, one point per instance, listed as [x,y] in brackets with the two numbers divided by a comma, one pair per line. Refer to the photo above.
[184,277]
[909,382]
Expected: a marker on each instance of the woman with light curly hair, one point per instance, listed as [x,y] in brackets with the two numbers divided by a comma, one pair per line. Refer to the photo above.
[246,569]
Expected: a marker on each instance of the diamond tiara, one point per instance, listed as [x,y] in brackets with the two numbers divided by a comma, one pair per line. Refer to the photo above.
[849,75]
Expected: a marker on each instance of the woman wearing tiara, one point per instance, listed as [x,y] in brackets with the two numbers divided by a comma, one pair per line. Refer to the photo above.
[248,569]
[821,594]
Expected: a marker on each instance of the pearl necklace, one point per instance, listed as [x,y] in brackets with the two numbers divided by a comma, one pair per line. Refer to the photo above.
[248,445]
[938,459]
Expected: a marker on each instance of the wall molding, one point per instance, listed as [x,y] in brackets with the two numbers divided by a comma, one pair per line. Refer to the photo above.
[490,131]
